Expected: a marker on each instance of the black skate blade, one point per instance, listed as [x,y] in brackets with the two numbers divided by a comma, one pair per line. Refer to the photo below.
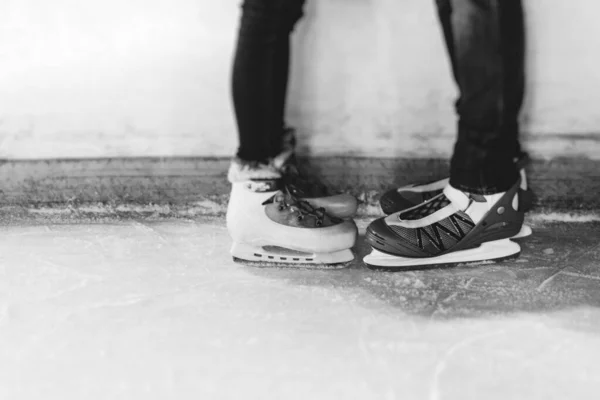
[442,265]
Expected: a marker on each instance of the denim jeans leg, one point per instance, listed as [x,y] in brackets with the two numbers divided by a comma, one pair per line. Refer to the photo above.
[512,31]
[513,58]
[260,74]
[482,162]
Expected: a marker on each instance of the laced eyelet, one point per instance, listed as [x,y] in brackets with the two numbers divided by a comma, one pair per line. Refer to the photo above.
[300,217]
[319,222]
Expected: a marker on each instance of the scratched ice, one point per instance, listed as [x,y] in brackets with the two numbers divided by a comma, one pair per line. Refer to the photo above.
[140,310]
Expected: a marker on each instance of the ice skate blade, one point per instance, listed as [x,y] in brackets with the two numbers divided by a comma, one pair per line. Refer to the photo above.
[498,250]
[270,257]
[524,232]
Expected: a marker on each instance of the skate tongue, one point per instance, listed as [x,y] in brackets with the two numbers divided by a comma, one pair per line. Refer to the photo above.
[479,198]
[476,206]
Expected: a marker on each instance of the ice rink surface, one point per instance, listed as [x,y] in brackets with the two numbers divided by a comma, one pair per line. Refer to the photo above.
[158,310]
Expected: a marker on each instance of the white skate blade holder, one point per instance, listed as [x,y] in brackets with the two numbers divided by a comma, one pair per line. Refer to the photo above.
[270,255]
[490,251]
[524,232]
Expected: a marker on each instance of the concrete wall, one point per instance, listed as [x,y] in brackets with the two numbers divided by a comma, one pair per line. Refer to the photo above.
[151,78]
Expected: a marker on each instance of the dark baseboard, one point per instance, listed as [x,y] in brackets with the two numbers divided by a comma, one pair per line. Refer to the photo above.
[560,184]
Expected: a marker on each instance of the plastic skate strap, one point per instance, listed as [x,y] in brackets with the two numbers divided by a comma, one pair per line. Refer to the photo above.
[426,187]
[458,198]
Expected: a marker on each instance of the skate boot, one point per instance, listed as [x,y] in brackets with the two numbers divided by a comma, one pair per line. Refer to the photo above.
[409,196]
[451,228]
[272,226]
[341,205]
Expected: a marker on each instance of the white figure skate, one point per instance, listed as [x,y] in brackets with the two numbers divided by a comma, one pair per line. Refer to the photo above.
[272,226]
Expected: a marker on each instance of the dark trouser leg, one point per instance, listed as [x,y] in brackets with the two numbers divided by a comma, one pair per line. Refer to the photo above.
[260,75]
[485,41]
[512,29]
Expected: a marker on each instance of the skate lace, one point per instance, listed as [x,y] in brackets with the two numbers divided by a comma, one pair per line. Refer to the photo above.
[298,182]
[426,208]
[287,200]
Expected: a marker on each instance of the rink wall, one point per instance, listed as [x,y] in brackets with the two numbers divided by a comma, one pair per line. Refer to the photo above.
[131,78]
